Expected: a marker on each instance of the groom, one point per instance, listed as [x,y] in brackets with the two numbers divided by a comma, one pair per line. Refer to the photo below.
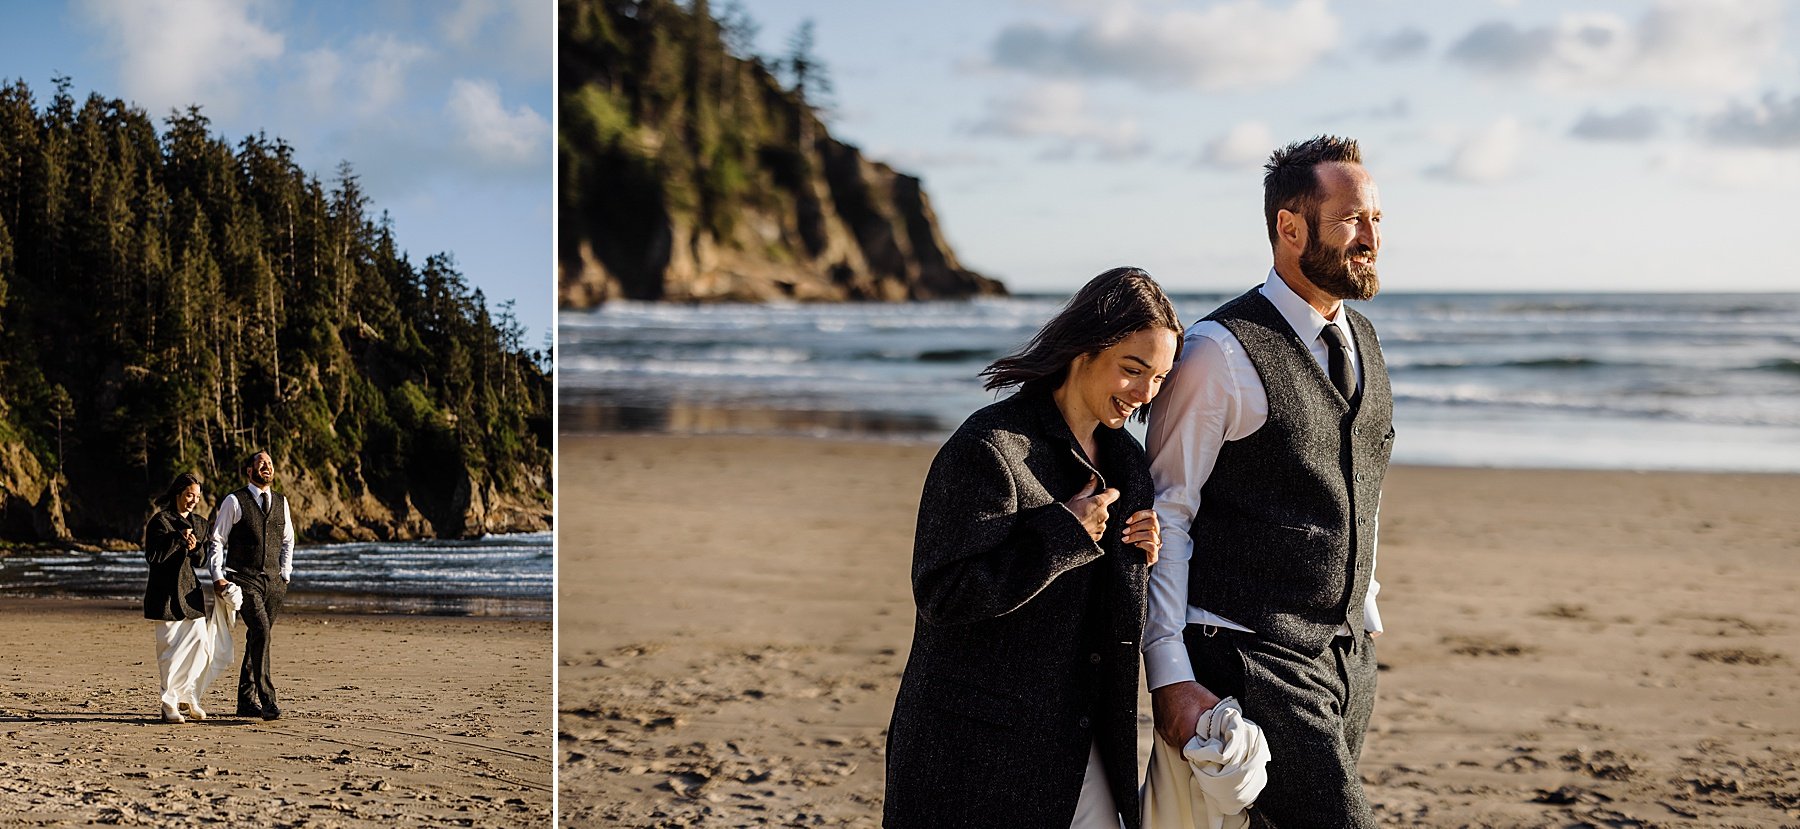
[1268,447]
[253,547]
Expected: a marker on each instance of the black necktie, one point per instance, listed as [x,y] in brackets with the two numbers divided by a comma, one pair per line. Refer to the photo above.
[1338,350]
[262,500]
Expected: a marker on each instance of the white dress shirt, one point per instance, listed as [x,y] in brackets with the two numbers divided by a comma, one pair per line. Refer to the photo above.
[1213,395]
[229,512]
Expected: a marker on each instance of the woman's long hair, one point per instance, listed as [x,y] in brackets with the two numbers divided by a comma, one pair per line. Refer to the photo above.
[181,482]
[1111,307]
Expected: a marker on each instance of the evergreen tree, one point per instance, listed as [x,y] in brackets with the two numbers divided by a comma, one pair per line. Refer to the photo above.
[168,302]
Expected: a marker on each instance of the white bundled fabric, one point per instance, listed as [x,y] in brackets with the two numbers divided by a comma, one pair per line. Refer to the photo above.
[182,651]
[1215,777]
[218,636]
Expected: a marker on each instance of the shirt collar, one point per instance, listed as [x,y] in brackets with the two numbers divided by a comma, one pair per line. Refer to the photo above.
[256,490]
[1306,320]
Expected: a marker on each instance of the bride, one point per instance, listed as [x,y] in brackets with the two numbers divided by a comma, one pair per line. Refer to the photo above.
[185,641]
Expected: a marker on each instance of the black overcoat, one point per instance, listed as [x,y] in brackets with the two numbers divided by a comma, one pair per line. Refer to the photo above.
[1025,646]
[173,593]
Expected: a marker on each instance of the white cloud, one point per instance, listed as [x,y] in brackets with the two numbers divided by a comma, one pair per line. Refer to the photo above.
[1742,168]
[501,138]
[1485,157]
[1060,111]
[364,80]
[1233,45]
[1771,123]
[523,28]
[172,53]
[1245,145]
[1633,124]
[1722,45]
[384,61]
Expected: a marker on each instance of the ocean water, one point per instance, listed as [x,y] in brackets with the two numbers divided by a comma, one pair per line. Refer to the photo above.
[499,575]
[1613,381]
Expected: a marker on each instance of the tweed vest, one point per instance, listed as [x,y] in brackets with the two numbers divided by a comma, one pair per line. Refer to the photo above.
[254,546]
[1284,539]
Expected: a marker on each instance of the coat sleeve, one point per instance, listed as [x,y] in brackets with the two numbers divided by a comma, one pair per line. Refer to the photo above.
[976,554]
[162,542]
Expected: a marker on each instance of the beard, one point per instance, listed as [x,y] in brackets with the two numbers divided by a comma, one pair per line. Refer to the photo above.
[1332,271]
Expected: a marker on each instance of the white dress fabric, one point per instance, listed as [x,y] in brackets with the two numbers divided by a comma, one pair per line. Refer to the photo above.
[1096,808]
[191,653]
[1213,780]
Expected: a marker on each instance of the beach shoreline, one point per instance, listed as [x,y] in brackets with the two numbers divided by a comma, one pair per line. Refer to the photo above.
[1608,647]
[386,720]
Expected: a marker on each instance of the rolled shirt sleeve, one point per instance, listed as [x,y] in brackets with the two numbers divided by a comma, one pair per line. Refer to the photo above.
[222,523]
[287,540]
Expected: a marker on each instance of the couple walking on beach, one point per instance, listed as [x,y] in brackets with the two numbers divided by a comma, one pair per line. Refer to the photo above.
[248,548]
[1237,556]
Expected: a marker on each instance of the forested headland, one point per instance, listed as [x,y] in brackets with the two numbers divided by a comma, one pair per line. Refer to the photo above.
[693,169]
[171,301]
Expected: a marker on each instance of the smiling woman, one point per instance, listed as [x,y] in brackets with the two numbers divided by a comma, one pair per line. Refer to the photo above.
[1018,706]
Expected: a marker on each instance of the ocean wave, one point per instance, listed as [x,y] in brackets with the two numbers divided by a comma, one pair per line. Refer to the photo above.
[1699,409]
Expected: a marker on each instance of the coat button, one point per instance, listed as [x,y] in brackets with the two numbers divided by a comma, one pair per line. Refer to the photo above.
[1093,659]
[1084,723]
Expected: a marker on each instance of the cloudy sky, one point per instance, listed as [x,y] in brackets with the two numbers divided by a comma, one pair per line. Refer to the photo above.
[1550,145]
[442,106]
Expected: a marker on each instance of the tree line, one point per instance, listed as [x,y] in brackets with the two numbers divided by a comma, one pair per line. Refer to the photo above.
[171,301]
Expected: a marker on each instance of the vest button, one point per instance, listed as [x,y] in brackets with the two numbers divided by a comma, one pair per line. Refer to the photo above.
[1093,659]
[1084,723]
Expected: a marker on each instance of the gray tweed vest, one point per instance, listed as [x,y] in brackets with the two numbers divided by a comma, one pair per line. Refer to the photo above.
[254,545]
[1284,539]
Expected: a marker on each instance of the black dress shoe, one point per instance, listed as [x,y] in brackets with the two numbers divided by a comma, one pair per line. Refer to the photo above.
[246,710]
[270,712]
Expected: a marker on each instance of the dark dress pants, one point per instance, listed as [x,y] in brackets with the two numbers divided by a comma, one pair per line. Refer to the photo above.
[1313,709]
[262,601]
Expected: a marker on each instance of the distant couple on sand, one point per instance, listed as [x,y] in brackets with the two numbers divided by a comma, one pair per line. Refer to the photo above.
[248,548]
[1237,556]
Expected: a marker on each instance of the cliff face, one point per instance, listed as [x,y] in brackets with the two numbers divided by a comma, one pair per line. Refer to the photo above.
[690,174]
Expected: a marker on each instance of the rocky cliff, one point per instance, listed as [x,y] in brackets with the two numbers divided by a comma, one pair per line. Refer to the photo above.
[691,174]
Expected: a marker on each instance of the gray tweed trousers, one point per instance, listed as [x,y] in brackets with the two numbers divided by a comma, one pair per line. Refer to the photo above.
[1313,710]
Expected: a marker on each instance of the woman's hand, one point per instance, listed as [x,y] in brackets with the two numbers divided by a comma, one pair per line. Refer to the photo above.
[188,536]
[1090,507]
[1146,533]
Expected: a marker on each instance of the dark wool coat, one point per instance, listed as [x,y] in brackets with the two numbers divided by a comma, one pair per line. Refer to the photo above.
[173,594]
[1025,646]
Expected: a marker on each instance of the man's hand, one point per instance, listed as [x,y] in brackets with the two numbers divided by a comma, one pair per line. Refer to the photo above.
[1090,507]
[1144,531]
[1178,708]
[220,583]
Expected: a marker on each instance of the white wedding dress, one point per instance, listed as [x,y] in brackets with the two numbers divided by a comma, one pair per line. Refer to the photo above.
[191,653]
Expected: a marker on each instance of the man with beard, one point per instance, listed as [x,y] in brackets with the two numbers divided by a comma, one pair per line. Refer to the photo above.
[253,547]
[1268,448]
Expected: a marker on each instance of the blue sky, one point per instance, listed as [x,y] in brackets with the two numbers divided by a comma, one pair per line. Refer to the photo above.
[442,106]
[1580,145]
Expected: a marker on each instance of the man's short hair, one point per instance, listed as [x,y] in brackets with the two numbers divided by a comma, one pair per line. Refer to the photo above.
[1291,183]
[250,459]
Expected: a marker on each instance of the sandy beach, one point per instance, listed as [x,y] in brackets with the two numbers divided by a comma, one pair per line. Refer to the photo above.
[1562,648]
[387,721]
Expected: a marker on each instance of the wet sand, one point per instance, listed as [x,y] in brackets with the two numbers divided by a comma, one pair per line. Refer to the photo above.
[1563,648]
[387,721]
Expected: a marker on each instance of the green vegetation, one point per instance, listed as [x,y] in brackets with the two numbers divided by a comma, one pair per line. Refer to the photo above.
[661,118]
[170,302]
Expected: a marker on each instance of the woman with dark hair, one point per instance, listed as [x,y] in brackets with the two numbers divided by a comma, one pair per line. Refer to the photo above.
[174,599]
[1018,707]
